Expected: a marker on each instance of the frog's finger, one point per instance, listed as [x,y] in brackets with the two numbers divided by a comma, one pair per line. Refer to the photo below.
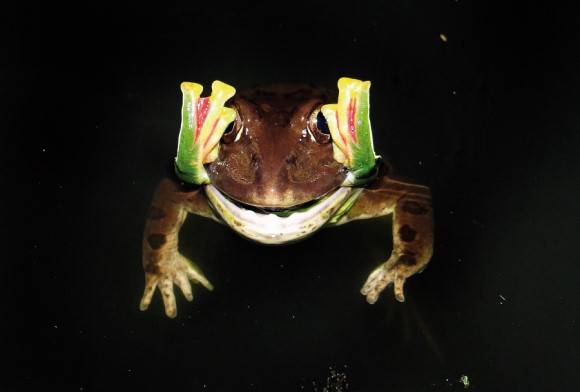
[368,284]
[376,282]
[150,285]
[399,283]
[199,278]
[196,275]
[166,288]
[350,127]
[373,295]
[182,281]
[373,278]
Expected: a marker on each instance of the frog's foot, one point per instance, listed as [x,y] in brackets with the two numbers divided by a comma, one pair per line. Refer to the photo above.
[396,270]
[172,268]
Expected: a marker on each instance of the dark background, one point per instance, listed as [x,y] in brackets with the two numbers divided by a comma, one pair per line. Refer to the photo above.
[489,120]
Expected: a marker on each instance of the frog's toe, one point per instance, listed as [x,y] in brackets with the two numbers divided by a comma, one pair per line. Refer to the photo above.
[166,288]
[150,285]
[399,283]
[182,281]
[376,282]
[197,276]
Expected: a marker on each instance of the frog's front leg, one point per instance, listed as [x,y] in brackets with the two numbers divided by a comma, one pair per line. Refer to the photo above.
[412,232]
[162,262]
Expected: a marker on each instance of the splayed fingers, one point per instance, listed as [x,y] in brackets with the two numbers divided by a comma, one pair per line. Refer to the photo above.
[179,271]
[382,277]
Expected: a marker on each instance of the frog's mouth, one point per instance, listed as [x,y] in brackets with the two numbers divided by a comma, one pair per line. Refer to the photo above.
[277,227]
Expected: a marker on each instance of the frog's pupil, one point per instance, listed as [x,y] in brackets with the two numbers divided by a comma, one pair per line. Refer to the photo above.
[321,123]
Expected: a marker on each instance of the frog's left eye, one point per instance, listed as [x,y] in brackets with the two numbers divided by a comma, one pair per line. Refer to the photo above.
[233,129]
[318,126]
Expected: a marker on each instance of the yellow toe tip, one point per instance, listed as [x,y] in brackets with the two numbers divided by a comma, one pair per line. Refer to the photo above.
[189,87]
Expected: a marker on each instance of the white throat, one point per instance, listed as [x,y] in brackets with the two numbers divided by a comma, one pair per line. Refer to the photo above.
[269,228]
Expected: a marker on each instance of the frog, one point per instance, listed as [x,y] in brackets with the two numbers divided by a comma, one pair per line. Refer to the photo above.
[277,163]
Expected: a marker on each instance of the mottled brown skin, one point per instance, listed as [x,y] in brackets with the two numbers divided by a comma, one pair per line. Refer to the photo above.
[274,164]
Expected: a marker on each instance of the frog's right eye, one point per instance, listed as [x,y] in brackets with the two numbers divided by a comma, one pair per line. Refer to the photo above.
[233,129]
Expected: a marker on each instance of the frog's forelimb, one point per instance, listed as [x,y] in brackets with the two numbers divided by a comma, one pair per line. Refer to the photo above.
[410,205]
[162,262]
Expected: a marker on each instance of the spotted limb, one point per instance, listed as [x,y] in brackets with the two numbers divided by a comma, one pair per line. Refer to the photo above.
[163,264]
[412,230]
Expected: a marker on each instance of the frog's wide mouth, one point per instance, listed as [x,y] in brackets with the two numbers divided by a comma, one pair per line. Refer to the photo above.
[280,211]
[276,227]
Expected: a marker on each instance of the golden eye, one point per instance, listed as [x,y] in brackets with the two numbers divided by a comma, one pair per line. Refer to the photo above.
[318,126]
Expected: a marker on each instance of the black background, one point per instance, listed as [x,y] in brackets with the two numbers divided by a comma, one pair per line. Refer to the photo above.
[489,120]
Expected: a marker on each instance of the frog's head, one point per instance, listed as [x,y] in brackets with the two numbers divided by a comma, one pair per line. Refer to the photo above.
[277,153]
[276,147]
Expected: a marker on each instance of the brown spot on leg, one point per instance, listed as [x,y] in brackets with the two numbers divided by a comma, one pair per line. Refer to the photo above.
[156,240]
[412,207]
[156,213]
[407,234]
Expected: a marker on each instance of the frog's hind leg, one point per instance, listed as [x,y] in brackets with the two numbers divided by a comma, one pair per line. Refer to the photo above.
[164,266]
[412,232]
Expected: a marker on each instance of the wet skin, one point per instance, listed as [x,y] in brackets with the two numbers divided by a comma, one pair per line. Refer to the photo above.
[275,181]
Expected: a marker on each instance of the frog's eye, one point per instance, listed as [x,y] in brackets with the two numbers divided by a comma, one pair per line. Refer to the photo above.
[318,126]
[232,129]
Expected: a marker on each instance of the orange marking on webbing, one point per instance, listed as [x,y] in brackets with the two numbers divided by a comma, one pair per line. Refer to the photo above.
[351,114]
[210,135]
[203,105]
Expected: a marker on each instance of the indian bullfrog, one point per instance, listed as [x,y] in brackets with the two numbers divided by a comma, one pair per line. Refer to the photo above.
[277,163]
